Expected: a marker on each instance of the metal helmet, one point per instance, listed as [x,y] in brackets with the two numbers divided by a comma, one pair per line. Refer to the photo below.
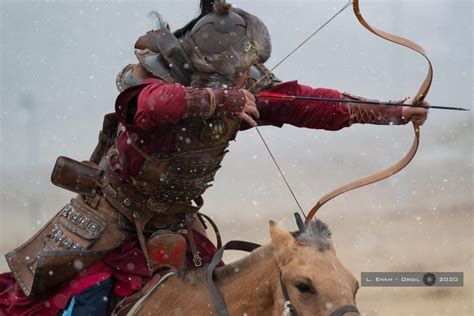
[233,31]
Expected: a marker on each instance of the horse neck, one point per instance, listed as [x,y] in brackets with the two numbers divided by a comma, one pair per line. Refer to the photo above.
[248,284]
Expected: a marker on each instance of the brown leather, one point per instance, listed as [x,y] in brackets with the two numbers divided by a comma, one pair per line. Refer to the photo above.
[372,113]
[106,137]
[132,203]
[79,177]
[148,41]
[184,174]
[167,250]
[75,238]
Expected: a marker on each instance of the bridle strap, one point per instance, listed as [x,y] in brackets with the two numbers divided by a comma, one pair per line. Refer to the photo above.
[287,303]
[216,296]
[345,309]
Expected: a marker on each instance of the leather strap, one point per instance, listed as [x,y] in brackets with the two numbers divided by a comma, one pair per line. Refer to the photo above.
[197,259]
[123,308]
[421,94]
[216,296]
[287,305]
[214,227]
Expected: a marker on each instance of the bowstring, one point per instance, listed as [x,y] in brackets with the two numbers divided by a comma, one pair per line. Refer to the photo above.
[348,4]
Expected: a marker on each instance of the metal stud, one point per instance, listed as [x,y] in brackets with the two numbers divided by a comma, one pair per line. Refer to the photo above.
[127,202]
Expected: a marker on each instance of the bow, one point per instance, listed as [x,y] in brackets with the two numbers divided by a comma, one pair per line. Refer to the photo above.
[421,94]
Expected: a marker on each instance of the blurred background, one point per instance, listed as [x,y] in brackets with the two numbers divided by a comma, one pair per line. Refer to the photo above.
[59,60]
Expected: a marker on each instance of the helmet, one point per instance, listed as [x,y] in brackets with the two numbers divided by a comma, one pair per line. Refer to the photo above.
[231,32]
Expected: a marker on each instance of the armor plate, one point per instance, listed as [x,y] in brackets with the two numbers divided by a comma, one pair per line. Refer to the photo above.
[185,174]
[74,239]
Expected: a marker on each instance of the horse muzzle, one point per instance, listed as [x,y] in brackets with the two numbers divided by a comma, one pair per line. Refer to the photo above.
[346,310]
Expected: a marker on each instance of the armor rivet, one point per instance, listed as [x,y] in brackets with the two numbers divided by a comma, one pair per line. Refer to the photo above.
[127,202]
[136,215]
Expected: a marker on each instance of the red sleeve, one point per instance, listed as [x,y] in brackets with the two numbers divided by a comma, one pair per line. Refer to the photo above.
[326,115]
[160,103]
[151,103]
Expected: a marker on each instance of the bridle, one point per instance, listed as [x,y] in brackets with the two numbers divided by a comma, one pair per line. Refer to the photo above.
[290,310]
[288,307]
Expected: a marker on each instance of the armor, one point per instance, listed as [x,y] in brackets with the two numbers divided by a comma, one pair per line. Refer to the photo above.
[74,239]
[165,194]
[229,31]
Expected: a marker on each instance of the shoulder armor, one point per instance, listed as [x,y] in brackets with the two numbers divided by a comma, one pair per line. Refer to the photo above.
[129,76]
[150,66]
[163,46]
[154,64]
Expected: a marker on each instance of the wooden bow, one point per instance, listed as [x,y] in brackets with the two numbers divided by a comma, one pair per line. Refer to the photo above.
[421,94]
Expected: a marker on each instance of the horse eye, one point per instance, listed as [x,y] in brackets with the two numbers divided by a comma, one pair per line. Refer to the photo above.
[304,288]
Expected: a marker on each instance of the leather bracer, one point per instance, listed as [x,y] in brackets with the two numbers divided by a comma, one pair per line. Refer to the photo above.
[364,113]
[207,102]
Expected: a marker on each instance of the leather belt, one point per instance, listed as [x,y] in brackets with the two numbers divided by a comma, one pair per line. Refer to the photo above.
[138,207]
[126,198]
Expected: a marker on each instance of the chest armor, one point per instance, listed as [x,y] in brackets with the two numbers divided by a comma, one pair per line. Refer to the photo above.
[184,174]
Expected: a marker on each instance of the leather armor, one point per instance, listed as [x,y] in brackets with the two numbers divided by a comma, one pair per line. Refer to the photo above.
[74,239]
[107,210]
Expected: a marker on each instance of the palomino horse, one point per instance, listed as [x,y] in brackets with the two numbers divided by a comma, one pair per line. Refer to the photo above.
[304,265]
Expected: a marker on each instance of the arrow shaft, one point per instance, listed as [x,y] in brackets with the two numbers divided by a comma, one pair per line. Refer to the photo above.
[292,97]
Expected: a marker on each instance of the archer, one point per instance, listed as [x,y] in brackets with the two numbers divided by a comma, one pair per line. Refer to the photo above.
[137,212]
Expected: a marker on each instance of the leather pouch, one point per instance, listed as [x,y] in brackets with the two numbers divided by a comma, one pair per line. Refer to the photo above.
[79,177]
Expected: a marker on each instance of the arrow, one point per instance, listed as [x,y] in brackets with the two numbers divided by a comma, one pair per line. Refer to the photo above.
[275,97]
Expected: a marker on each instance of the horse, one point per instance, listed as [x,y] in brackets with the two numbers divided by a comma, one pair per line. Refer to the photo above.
[296,274]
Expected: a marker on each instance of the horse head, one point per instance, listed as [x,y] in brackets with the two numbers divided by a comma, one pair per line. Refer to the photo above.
[312,279]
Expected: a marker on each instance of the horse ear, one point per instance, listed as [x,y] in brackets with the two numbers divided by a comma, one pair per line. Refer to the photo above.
[282,241]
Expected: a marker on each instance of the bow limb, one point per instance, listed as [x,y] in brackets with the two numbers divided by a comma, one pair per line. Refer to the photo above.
[421,94]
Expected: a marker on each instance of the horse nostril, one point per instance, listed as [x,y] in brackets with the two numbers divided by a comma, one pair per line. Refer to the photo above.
[346,310]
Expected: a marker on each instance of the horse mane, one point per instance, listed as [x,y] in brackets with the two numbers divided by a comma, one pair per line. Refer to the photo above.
[316,233]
